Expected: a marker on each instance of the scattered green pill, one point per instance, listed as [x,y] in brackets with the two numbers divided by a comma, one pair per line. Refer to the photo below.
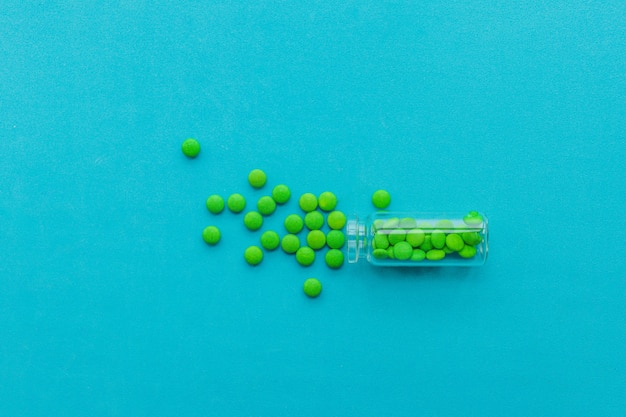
[314,220]
[281,194]
[438,239]
[266,205]
[253,255]
[380,253]
[336,220]
[290,243]
[215,204]
[334,258]
[467,251]
[454,242]
[415,237]
[257,178]
[418,255]
[270,240]
[253,220]
[191,148]
[335,239]
[312,287]
[327,201]
[236,203]
[293,223]
[403,251]
[435,255]
[316,239]
[381,199]
[308,202]
[471,238]
[211,235]
[395,236]
[305,256]
[381,241]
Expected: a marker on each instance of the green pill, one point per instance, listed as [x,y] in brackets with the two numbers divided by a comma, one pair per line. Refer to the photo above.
[438,239]
[435,255]
[270,240]
[191,148]
[395,236]
[378,224]
[427,245]
[215,204]
[447,250]
[445,225]
[327,201]
[312,287]
[257,178]
[308,202]
[314,220]
[381,241]
[334,258]
[253,255]
[402,251]
[418,255]
[253,220]
[454,242]
[266,205]
[471,238]
[380,253]
[281,194]
[293,223]
[335,239]
[316,239]
[415,237]
[236,203]
[392,223]
[467,251]
[390,253]
[211,235]
[473,218]
[290,243]
[408,223]
[305,256]
[425,226]
[381,199]
[336,220]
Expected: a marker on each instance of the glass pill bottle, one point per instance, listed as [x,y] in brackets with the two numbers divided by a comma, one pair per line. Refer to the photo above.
[419,239]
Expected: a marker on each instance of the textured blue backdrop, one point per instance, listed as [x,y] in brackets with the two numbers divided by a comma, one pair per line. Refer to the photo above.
[111,305]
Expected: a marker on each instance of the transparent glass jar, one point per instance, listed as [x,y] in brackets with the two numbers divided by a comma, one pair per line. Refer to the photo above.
[419,239]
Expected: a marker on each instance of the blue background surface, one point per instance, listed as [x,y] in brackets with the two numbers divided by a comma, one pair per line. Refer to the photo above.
[111,304]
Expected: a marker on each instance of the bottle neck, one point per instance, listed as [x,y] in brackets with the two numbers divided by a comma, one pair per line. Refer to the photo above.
[355,231]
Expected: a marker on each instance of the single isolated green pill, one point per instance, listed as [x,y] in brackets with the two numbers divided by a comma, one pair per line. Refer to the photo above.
[211,235]
[215,204]
[316,239]
[334,258]
[293,223]
[253,255]
[270,240]
[236,203]
[381,199]
[191,148]
[266,205]
[281,194]
[327,201]
[336,220]
[290,243]
[253,220]
[305,256]
[403,251]
[314,220]
[257,178]
[312,287]
[335,239]
[308,202]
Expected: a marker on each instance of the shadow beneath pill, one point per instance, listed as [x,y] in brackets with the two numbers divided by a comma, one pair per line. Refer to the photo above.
[456,273]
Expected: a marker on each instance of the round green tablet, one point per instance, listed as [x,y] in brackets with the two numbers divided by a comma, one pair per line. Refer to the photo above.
[281,194]
[314,220]
[407,223]
[305,256]
[446,225]
[257,178]
[381,199]
[270,240]
[390,254]
[293,223]
[335,239]
[215,204]
[381,241]
[438,239]
[308,202]
[471,238]
[473,218]
[211,235]
[418,255]
[392,223]
[290,243]
[427,244]
[336,220]
[334,258]
[327,201]
[415,237]
[253,220]
[435,254]
[403,250]
[316,239]
[396,235]
[191,148]
[447,250]
[236,203]
[467,251]
[454,242]
[253,255]
[312,287]
[380,253]
[266,205]
[378,224]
